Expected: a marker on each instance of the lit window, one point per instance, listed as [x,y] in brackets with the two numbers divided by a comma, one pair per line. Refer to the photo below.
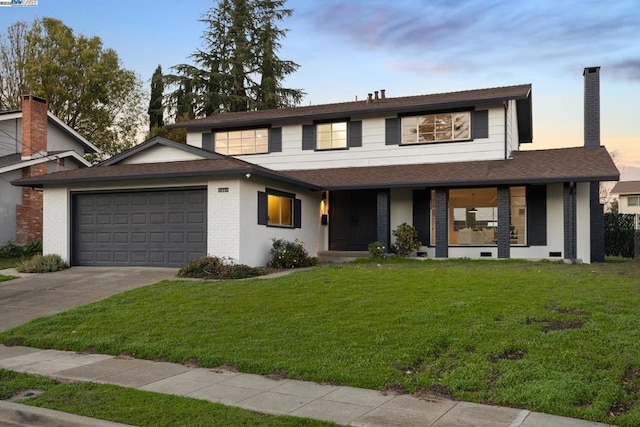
[331,135]
[280,210]
[436,128]
[633,200]
[238,142]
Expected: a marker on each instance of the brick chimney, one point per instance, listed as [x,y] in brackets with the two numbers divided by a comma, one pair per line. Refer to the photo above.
[34,126]
[591,107]
[34,145]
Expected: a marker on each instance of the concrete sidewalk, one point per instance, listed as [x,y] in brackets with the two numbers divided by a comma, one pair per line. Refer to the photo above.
[343,405]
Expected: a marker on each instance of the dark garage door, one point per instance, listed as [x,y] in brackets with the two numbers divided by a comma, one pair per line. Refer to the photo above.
[153,228]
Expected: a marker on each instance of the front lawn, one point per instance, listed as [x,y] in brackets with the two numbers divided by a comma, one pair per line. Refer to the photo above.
[8,262]
[136,407]
[550,337]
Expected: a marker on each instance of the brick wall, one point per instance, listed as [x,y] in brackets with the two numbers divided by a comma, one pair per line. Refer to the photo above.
[34,141]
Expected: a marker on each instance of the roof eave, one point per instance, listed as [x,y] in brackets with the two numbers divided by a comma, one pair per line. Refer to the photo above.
[309,117]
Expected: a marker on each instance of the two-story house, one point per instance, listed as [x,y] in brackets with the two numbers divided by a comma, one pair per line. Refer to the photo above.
[338,177]
[628,193]
[33,142]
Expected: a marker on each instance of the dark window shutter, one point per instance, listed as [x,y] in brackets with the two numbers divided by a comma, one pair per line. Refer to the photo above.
[537,215]
[308,137]
[421,214]
[207,141]
[297,213]
[480,124]
[355,134]
[275,140]
[263,215]
[392,131]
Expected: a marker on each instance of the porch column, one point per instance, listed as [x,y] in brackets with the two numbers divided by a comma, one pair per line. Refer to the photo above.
[570,240]
[504,223]
[383,221]
[596,219]
[442,223]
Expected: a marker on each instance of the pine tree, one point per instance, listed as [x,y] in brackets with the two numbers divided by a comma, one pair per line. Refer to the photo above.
[238,68]
[156,108]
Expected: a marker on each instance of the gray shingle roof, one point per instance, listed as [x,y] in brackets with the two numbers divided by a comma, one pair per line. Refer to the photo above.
[526,167]
[395,105]
[626,187]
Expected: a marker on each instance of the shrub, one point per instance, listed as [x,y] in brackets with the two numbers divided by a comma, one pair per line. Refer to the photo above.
[32,248]
[376,249]
[42,264]
[211,267]
[406,239]
[285,254]
[13,250]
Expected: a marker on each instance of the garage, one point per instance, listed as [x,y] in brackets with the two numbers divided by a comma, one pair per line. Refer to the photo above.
[139,228]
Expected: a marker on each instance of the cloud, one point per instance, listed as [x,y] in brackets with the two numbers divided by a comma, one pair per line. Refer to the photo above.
[498,33]
[629,69]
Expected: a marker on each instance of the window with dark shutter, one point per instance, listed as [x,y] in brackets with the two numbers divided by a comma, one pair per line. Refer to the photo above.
[355,134]
[392,131]
[275,140]
[480,124]
[279,209]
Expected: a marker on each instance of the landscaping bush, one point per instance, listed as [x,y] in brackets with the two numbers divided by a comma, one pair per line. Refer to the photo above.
[42,264]
[285,254]
[13,250]
[211,267]
[406,240]
[32,248]
[376,249]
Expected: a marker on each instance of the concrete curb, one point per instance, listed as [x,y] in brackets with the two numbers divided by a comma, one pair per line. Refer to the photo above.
[23,415]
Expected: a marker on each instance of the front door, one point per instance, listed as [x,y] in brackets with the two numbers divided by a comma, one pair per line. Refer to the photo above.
[352,220]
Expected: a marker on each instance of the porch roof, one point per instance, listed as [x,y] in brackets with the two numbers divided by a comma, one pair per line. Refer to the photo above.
[526,167]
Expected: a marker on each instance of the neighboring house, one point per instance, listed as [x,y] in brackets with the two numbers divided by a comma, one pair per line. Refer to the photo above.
[628,196]
[628,199]
[338,177]
[33,142]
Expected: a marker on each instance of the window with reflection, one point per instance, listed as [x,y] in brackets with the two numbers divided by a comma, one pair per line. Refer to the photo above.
[436,128]
[331,135]
[250,141]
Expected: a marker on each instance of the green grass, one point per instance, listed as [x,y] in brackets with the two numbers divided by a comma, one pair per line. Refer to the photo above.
[135,407]
[546,336]
[8,262]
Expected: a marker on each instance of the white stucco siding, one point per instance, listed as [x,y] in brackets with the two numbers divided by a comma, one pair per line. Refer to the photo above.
[256,240]
[223,219]
[159,154]
[583,222]
[56,231]
[375,152]
[401,208]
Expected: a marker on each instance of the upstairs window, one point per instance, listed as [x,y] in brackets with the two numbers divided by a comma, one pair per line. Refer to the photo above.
[633,201]
[331,135]
[436,128]
[251,141]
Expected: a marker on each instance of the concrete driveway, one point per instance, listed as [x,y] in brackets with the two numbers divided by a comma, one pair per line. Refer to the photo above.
[36,295]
